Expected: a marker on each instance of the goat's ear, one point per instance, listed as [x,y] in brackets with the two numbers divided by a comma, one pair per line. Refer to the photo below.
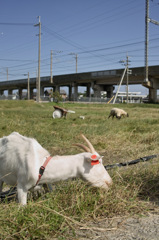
[101,161]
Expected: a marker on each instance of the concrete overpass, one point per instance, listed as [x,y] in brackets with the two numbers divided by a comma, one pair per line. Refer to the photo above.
[97,80]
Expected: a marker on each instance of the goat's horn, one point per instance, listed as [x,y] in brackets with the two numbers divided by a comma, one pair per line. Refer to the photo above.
[82,146]
[92,150]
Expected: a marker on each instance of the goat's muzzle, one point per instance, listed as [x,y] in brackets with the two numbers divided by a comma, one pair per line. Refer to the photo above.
[108,183]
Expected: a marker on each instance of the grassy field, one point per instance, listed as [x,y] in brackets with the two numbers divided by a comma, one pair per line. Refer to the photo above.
[72,204]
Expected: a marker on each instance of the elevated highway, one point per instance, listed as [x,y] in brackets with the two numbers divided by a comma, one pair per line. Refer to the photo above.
[97,80]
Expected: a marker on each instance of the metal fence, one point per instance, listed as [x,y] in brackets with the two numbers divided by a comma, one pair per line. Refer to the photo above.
[9,97]
[80,99]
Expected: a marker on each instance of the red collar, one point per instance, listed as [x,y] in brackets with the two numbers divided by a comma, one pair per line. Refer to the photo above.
[42,169]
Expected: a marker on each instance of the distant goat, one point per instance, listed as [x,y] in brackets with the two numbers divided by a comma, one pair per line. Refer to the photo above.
[22,157]
[118,113]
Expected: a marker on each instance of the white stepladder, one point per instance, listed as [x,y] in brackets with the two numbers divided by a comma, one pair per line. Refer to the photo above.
[60,112]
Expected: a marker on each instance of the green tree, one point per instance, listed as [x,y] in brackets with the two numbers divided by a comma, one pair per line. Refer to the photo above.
[56,96]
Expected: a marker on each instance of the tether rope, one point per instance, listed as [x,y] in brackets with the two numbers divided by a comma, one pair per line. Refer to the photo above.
[142,159]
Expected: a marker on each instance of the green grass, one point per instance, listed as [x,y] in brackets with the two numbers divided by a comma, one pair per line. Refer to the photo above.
[72,204]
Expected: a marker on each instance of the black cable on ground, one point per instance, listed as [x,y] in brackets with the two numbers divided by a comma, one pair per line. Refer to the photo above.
[142,159]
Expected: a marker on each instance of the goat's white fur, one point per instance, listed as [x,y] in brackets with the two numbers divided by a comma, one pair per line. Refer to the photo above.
[21,157]
[118,113]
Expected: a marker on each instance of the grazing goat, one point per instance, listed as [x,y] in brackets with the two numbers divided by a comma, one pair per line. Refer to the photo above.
[22,157]
[118,113]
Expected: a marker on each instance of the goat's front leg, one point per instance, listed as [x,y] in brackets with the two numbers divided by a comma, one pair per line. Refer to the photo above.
[22,195]
[47,187]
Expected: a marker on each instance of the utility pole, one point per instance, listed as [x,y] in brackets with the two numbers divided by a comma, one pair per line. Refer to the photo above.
[147,20]
[7,74]
[127,79]
[126,70]
[36,81]
[120,84]
[28,87]
[146,39]
[76,62]
[76,57]
[127,76]
[39,53]
[51,80]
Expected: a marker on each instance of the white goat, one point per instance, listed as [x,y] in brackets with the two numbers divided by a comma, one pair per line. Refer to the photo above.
[118,113]
[21,158]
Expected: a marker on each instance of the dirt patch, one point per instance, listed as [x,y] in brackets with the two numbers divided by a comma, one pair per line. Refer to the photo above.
[138,228]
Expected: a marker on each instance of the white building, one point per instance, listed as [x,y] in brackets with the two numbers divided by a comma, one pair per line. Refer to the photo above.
[133,97]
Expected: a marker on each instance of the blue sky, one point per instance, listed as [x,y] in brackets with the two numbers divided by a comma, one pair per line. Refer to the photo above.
[100,32]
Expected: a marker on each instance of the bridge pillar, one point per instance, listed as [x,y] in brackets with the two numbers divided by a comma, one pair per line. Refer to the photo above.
[109,90]
[1,92]
[70,93]
[75,92]
[31,93]
[153,95]
[88,92]
[10,91]
[153,90]
[41,91]
[20,93]
[97,90]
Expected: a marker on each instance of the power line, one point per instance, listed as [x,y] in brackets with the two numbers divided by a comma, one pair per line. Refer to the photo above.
[17,24]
